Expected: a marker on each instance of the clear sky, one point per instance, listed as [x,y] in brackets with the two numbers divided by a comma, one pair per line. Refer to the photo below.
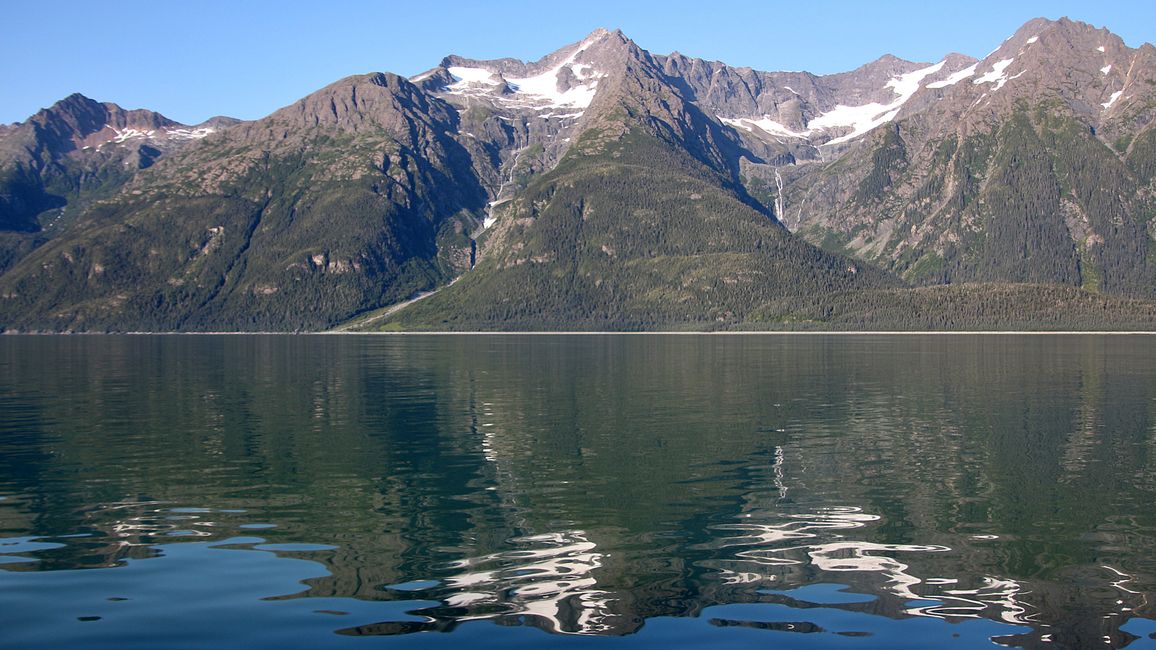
[246,58]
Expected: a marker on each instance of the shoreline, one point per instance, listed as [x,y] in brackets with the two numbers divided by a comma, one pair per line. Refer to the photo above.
[617,333]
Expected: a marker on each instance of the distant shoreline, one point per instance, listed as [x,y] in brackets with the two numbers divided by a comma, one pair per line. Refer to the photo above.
[614,333]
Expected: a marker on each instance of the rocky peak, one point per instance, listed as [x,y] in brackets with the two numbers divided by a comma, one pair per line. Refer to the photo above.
[1072,41]
[357,103]
[869,82]
[67,124]
[565,79]
[77,123]
[1090,70]
[218,122]
[352,129]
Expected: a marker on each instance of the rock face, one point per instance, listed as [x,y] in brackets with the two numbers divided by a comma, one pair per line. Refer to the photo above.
[600,186]
[56,163]
[1032,165]
[353,197]
[643,223]
[518,119]
[75,147]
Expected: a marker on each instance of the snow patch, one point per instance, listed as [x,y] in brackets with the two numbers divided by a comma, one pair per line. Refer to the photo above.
[905,85]
[791,89]
[860,119]
[561,116]
[1106,69]
[1100,49]
[1112,99]
[545,85]
[465,76]
[190,134]
[864,118]
[1033,40]
[996,76]
[129,134]
[765,123]
[538,92]
[124,135]
[955,77]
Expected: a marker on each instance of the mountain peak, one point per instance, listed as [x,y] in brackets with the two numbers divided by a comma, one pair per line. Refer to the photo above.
[887,64]
[354,103]
[1061,34]
[74,100]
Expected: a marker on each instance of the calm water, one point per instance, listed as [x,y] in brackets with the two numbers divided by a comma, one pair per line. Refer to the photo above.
[505,491]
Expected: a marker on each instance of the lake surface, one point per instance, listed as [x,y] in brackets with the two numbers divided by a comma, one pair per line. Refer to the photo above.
[525,491]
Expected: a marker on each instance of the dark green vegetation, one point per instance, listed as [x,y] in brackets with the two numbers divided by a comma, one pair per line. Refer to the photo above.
[958,307]
[1037,199]
[287,223]
[48,176]
[632,234]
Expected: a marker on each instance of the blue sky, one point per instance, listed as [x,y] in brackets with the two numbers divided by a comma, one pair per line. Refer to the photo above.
[247,58]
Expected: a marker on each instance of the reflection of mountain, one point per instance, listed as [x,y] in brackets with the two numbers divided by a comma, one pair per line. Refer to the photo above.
[548,579]
[821,543]
[587,484]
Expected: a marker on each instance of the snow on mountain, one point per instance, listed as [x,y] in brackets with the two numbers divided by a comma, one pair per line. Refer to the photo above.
[190,134]
[867,117]
[567,84]
[466,76]
[864,118]
[997,75]
[766,124]
[129,133]
[860,118]
[955,77]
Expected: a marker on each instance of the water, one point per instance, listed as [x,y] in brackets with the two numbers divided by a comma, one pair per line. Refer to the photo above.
[511,491]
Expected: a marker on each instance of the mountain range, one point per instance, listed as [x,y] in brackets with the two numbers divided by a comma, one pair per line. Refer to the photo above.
[605,187]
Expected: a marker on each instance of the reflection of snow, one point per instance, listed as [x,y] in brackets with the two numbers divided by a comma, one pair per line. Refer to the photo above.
[549,578]
[811,539]
[1000,595]
[768,546]
[860,556]
[1128,594]
[816,539]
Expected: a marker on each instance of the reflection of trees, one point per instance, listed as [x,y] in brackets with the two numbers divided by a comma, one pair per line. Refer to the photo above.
[415,455]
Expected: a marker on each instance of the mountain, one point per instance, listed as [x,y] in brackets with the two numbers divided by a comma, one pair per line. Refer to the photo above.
[71,153]
[1032,165]
[644,221]
[353,197]
[77,146]
[606,187]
